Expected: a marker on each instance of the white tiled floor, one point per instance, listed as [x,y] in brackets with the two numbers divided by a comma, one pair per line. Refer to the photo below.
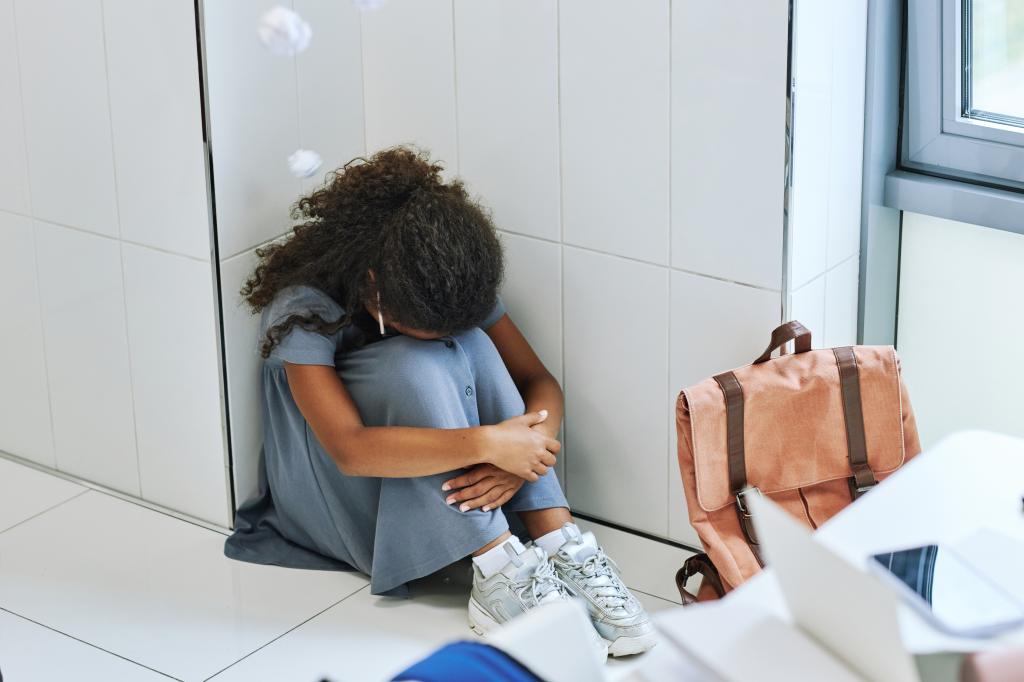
[93,587]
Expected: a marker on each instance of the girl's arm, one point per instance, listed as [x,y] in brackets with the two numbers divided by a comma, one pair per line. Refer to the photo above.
[540,390]
[483,486]
[398,451]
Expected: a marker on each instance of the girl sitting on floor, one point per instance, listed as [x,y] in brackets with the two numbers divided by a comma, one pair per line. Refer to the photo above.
[406,419]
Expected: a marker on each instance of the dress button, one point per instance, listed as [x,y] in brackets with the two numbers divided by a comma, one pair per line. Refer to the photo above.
[449,343]
[469,390]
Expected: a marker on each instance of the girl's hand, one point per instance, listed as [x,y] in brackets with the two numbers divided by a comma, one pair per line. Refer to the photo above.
[485,485]
[514,446]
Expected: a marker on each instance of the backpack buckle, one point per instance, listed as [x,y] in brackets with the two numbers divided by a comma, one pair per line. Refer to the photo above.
[746,520]
[857,490]
[740,503]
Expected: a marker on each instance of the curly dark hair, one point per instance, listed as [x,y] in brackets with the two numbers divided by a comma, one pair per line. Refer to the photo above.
[436,259]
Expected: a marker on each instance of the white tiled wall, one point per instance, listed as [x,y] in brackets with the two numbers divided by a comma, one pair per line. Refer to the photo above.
[846,149]
[153,78]
[634,163]
[841,303]
[825,215]
[251,98]
[614,79]
[728,159]
[612,151]
[66,112]
[87,355]
[242,364]
[24,398]
[175,380]
[313,100]
[616,380]
[508,110]
[807,304]
[409,77]
[715,326]
[330,77]
[534,284]
[109,312]
[13,169]
[533,292]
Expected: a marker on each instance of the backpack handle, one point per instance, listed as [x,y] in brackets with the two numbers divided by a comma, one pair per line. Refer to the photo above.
[783,334]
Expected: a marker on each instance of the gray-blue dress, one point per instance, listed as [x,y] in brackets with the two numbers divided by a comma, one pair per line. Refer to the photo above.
[307,514]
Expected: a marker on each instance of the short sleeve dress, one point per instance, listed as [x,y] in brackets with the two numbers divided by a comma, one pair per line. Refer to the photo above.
[307,514]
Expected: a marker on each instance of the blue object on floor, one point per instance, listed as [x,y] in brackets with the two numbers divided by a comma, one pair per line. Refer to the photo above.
[467,662]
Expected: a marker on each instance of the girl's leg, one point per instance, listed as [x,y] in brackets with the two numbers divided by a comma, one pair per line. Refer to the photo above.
[462,381]
[541,506]
[452,382]
[540,522]
[408,382]
[493,543]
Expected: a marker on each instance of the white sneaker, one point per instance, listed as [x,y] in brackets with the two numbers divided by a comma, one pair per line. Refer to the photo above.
[526,582]
[618,616]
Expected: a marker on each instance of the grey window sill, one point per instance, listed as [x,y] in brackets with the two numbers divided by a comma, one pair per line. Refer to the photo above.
[963,202]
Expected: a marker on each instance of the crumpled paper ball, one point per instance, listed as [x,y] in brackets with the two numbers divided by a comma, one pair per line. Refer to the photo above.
[284,32]
[304,162]
[368,5]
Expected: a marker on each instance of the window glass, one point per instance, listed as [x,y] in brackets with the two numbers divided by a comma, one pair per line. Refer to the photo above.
[994,69]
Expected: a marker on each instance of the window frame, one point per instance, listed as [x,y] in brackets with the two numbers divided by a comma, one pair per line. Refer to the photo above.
[937,138]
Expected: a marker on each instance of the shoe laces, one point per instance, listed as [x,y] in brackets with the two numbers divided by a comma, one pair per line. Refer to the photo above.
[542,584]
[599,574]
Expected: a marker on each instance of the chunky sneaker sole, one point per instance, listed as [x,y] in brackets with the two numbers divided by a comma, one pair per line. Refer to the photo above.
[589,574]
[527,582]
[628,646]
[482,624]
[480,621]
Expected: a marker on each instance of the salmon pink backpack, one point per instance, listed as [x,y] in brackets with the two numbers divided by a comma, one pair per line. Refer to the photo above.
[813,430]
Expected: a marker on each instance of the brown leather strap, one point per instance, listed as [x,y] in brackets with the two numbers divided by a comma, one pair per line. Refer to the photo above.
[783,334]
[698,564]
[730,386]
[747,523]
[849,388]
[733,392]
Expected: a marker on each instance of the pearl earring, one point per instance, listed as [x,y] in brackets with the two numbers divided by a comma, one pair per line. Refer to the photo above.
[380,318]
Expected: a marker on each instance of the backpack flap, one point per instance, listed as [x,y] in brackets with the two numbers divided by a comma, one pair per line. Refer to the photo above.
[794,423]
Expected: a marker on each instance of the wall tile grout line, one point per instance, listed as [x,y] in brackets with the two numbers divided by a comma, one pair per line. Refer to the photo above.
[574,246]
[120,251]
[653,596]
[256,246]
[297,626]
[116,494]
[455,93]
[668,313]
[21,109]
[48,509]
[821,274]
[199,17]
[362,79]
[561,234]
[110,237]
[298,105]
[788,131]
[828,175]
[90,644]
[643,262]
[35,238]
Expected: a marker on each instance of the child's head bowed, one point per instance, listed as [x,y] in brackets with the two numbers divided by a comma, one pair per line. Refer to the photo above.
[387,228]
